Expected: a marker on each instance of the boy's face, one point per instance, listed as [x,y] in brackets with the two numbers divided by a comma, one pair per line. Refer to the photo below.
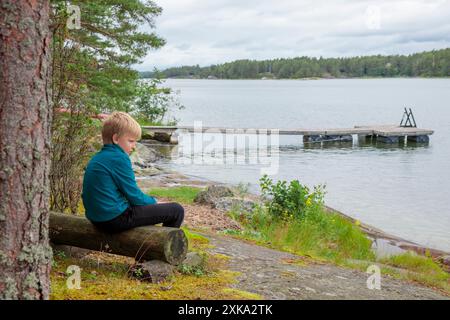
[126,142]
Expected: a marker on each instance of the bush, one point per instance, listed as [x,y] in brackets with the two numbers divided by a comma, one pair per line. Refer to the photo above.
[286,201]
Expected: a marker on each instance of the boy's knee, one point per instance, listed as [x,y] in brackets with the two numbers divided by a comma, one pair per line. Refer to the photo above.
[178,208]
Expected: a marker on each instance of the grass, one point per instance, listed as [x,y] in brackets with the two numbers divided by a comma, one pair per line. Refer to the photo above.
[182,194]
[421,269]
[320,235]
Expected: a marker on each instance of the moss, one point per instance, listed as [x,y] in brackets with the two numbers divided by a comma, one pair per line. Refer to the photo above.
[31,281]
[10,292]
[25,24]
[37,154]
[196,242]
[222,257]
[178,287]
[4,259]
[112,282]
[243,294]
[31,287]
[38,254]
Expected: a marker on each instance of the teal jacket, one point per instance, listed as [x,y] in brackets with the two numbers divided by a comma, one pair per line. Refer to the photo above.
[109,185]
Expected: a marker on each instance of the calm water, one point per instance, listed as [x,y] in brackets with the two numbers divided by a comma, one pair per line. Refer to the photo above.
[402,190]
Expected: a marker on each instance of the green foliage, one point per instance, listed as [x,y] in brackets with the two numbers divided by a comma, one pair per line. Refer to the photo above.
[434,63]
[91,74]
[286,201]
[97,57]
[152,102]
[293,219]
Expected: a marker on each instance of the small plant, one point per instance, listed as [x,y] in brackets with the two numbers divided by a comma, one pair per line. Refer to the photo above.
[60,254]
[197,269]
[138,273]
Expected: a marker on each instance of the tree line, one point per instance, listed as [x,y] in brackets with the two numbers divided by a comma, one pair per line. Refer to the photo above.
[434,63]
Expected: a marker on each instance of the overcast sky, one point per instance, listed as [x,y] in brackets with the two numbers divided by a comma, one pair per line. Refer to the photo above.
[209,32]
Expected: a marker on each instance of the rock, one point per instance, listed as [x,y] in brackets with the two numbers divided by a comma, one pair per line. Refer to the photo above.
[213,193]
[143,156]
[150,171]
[162,136]
[193,259]
[229,203]
[146,135]
[153,271]
[445,260]
[69,251]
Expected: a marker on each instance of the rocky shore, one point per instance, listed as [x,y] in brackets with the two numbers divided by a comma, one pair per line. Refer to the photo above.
[150,175]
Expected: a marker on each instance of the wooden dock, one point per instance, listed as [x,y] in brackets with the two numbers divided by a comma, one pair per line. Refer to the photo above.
[383,133]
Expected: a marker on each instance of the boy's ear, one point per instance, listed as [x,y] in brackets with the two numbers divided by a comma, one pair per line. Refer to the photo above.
[115,138]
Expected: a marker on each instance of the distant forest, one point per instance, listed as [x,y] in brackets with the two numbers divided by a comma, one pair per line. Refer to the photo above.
[434,63]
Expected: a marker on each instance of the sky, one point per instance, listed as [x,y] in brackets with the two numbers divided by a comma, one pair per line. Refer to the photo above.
[207,32]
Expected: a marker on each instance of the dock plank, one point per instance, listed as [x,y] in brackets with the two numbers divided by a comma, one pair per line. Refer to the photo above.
[383,130]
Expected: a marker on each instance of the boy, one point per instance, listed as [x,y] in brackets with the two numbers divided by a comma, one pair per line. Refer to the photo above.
[111,197]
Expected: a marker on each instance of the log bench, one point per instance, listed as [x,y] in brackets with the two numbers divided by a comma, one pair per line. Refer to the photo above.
[142,243]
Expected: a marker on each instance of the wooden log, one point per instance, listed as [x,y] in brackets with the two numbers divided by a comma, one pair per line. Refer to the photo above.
[142,243]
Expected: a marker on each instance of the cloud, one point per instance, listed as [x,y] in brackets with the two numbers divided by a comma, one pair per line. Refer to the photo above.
[209,32]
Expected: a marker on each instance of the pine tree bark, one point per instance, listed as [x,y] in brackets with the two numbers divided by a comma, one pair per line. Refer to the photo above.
[25,128]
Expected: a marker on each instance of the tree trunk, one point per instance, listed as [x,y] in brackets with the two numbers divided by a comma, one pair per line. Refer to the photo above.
[143,243]
[25,127]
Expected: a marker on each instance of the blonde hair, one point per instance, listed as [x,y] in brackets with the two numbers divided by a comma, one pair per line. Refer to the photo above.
[120,123]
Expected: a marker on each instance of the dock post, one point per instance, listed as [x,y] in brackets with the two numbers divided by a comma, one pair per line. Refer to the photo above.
[419,139]
[174,138]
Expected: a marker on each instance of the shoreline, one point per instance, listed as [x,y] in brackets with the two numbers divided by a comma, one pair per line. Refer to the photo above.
[383,243]
[303,79]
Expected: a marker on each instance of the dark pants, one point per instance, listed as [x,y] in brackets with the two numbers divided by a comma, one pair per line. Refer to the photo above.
[169,214]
